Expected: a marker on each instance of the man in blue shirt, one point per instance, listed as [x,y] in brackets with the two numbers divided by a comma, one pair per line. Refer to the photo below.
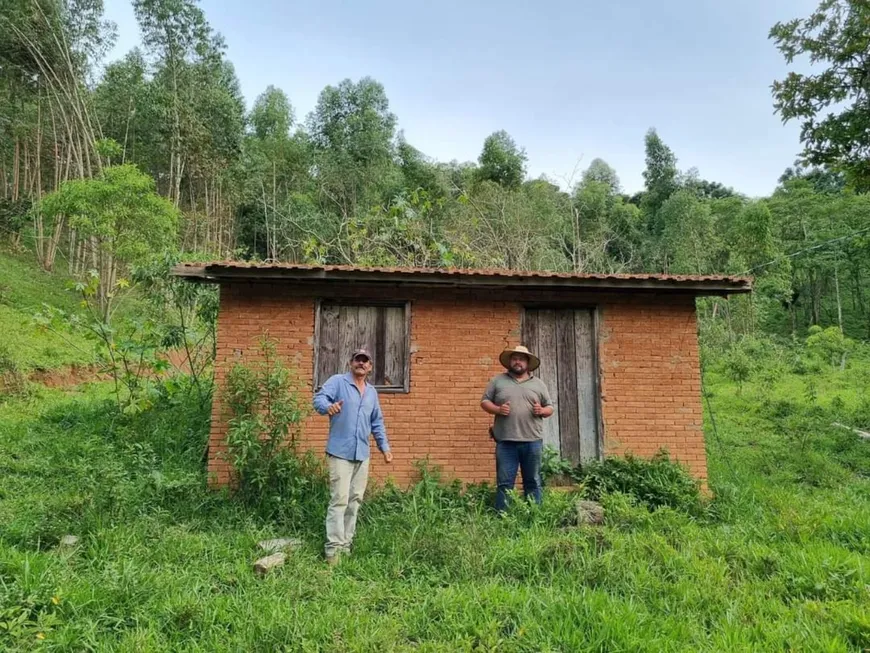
[354,413]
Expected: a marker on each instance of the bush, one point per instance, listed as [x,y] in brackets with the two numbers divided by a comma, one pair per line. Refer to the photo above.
[555,470]
[861,415]
[656,482]
[830,345]
[738,367]
[266,414]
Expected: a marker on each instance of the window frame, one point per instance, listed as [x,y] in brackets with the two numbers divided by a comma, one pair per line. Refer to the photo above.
[405,388]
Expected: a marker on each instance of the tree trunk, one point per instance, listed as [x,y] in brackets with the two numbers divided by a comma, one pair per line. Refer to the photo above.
[837,289]
[71,249]
[815,309]
[38,174]
[53,242]
[859,289]
[15,170]
[27,183]
[39,234]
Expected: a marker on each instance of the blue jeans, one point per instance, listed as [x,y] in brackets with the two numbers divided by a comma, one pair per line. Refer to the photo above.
[509,456]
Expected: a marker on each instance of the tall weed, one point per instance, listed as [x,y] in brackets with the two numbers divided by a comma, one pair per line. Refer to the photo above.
[266,412]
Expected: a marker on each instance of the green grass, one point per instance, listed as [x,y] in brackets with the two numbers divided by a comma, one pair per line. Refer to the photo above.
[24,288]
[24,291]
[779,560]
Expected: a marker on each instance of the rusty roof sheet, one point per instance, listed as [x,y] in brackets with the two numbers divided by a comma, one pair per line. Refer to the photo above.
[217,271]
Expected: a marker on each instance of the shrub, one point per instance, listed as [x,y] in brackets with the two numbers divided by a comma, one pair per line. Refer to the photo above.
[830,345]
[861,415]
[738,367]
[656,482]
[266,414]
[555,469]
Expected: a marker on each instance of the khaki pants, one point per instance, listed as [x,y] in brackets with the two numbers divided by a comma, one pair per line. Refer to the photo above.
[347,484]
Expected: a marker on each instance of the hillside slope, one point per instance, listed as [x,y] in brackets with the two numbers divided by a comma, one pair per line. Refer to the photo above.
[24,290]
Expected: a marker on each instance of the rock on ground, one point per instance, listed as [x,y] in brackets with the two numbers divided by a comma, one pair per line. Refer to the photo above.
[264,565]
[590,512]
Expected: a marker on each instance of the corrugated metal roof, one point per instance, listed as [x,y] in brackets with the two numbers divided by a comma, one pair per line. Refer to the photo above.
[221,271]
[220,266]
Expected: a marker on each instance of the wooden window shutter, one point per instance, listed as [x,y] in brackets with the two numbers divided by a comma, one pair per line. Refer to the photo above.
[382,329]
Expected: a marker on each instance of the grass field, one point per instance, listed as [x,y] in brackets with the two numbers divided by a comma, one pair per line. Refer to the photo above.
[779,560]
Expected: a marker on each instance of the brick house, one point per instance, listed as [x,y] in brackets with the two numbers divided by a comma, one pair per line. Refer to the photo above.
[619,354]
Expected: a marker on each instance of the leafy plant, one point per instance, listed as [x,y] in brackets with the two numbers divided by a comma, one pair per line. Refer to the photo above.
[128,349]
[25,621]
[555,468]
[266,411]
[738,367]
[189,315]
[121,217]
[656,482]
[830,345]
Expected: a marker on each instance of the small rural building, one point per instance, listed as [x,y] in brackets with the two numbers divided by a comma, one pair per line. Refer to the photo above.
[619,353]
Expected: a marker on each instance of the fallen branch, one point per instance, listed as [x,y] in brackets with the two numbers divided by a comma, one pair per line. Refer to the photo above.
[858,432]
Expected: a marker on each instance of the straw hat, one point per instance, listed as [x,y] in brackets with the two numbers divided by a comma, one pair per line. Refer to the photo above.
[505,358]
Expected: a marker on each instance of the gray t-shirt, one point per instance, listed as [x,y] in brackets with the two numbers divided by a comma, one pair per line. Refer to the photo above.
[521,425]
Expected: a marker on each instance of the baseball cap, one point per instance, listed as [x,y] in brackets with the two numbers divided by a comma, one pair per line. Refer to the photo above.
[362,351]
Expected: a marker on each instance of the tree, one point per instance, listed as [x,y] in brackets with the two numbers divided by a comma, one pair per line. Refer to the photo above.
[272,115]
[121,217]
[124,105]
[419,172]
[660,176]
[173,30]
[501,161]
[824,180]
[708,190]
[602,233]
[501,227]
[836,37]
[270,120]
[825,235]
[352,131]
[48,50]
[688,242]
[272,216]
[600,171]
[197,136]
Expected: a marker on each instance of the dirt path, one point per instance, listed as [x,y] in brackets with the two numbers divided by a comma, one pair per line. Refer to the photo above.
[64,377]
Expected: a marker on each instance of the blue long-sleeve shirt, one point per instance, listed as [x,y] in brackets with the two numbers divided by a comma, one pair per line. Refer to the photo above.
[360,417]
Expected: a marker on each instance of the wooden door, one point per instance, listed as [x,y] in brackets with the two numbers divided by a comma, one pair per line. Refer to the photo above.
[565,341]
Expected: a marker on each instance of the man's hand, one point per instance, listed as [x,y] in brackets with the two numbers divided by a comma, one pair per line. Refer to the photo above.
[538,409]
[334,409]
[505,409]
[388,456]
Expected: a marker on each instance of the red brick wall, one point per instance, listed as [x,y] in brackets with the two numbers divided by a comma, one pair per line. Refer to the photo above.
[649,364]
[651,381]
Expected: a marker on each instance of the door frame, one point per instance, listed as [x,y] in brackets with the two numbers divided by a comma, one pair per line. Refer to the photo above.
[596,354]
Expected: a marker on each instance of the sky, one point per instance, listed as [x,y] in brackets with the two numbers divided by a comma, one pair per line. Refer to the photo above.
[569,81]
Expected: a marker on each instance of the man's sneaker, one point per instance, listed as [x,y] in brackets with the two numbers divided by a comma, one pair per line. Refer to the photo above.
[332,560]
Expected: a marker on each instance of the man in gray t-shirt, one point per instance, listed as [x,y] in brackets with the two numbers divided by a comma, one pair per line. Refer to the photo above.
[519,402]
